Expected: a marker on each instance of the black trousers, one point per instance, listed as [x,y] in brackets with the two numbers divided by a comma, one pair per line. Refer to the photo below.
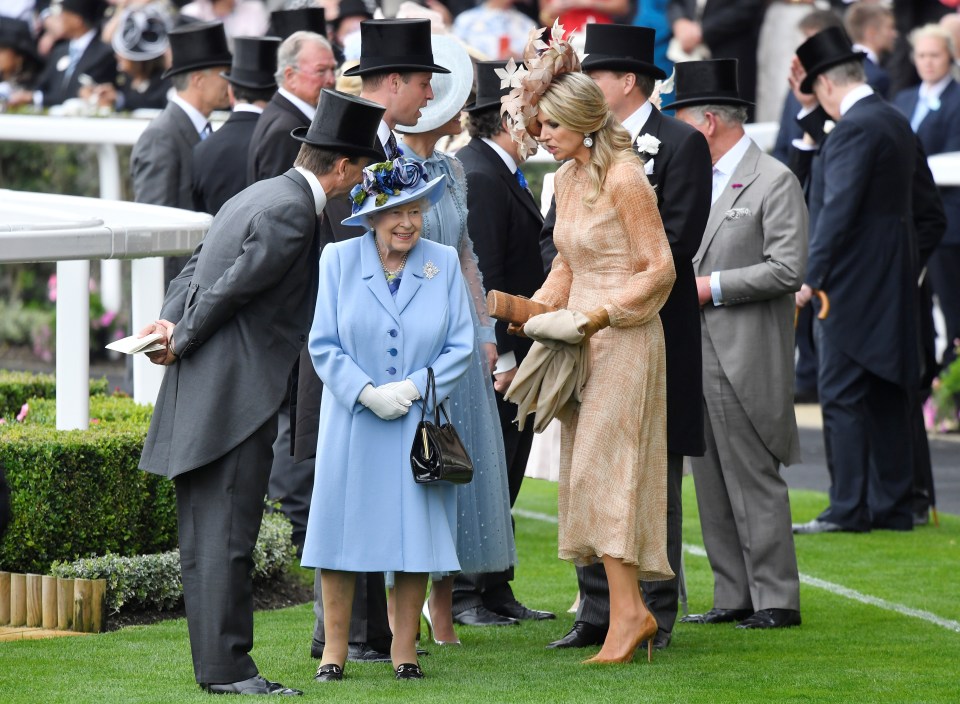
[943,270]
[661,597]
[867,437]
[493,588]
[219,510]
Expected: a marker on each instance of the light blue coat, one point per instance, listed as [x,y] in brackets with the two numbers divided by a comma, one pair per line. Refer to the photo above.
[367,514]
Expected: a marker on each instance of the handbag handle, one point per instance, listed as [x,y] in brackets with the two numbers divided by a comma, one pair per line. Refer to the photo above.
[431,389]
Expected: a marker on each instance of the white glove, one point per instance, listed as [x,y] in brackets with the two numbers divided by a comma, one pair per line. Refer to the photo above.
[384,404]
[404,391]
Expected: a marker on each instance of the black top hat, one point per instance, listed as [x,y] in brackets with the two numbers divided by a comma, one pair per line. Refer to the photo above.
[824,50]
[15,34]
[197,46]
[283,23]
[395,45]
[351,8]
[706,83]
[345,124]
[90,10]
[254,62]
[620,47]
[489,91]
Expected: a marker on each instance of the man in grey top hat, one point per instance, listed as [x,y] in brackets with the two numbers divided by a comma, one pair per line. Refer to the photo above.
[750,263]
[232,325]
[161,163]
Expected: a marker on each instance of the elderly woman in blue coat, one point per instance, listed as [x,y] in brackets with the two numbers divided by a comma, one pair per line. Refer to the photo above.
[389,306]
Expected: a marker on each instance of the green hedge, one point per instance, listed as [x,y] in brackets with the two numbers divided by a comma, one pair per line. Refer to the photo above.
[103,409]
[16,388]
[79,492]
[153,581]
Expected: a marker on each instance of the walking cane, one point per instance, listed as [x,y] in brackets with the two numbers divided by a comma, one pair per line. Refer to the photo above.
[824,307]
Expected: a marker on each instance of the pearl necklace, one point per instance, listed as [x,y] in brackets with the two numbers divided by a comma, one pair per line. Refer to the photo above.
[396,272]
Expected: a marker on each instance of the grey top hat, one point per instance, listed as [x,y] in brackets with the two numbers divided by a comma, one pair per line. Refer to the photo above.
[395,45]
[345,124]
[142,33]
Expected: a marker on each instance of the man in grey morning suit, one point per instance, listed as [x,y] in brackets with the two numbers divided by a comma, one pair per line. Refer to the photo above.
[234,322]
[161,163]
[750,263]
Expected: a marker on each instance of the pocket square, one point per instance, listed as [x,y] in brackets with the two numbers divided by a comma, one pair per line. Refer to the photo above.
[737,213]
[648,166]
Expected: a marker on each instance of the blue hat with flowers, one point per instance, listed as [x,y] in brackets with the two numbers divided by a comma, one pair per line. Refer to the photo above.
[389,184]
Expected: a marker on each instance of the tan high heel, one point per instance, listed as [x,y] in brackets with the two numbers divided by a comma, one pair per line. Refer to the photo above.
[426,617]
[646,633]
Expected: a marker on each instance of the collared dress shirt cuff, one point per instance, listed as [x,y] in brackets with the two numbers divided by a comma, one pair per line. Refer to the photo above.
[715,289]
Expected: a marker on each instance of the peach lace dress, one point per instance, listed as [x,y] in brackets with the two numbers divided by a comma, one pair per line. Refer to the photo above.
[613,450]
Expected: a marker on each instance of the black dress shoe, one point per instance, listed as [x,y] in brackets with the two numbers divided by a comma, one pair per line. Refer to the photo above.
[771,618]
[582,635]
[361,652]
[329,673]
[660,641]
[409,671]
[514,609]
[254,685]
[718,616]
[482,616]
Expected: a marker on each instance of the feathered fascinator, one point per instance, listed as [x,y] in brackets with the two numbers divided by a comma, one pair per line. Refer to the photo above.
[543,62]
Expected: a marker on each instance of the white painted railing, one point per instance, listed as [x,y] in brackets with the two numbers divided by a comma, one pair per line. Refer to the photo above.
[37,227]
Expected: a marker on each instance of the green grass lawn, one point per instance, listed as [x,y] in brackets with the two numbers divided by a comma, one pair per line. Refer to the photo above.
[844,652]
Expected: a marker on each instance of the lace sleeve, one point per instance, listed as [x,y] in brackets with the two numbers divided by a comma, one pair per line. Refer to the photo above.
[468,259]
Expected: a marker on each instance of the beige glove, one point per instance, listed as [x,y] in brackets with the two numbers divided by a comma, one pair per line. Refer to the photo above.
[597,320]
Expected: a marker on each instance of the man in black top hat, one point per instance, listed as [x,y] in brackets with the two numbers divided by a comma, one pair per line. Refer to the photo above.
[677,161]
[79,53]
[220,161]
[504,223]
[863,252]
[233,323]
[305,66]
[750,263]
[161,163]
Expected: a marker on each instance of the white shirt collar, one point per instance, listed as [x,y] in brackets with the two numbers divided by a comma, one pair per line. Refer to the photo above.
[871,54]
[247,107]
[383,134]
[198,119]
[727,164]
[502,153]
[302,105]
[637,120]
[853,97]
[936,90]
[83,42]
[319,197]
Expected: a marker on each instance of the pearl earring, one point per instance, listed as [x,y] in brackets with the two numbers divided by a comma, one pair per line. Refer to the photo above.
[588,140]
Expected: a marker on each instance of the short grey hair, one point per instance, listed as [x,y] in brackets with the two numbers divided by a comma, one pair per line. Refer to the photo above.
[288,55]
[727,114]
[846,73]
[181,81]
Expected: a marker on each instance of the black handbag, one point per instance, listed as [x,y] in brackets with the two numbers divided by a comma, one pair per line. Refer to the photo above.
[437,454]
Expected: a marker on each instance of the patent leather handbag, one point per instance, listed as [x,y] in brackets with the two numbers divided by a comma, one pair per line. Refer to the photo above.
[438,455]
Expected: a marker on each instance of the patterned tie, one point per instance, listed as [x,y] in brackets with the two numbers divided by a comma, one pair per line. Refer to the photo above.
[206,131]
[522,180]
[393,151]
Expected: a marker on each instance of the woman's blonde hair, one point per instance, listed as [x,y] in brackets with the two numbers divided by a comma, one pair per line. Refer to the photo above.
[577,104]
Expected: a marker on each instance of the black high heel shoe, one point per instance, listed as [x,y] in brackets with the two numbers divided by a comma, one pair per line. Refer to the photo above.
[409,671]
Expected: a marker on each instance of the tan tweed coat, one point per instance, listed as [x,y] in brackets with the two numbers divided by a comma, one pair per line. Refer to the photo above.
[613,453]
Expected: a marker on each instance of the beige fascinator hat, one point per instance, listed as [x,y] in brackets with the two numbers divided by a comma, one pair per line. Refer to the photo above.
[543,61]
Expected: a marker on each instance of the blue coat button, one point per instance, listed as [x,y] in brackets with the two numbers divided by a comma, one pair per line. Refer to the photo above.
[392,351]
[392,333]
[391,370]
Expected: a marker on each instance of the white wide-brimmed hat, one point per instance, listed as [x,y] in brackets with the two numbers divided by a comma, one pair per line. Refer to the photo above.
[391,183]
[450,90]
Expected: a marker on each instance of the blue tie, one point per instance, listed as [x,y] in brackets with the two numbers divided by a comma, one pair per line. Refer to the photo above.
[920,112]
[206,131]
[521,179]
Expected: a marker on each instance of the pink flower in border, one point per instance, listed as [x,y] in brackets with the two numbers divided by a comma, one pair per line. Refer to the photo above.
[3,421]
[107,318]
[94,421]
[24,410]
[52,288]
